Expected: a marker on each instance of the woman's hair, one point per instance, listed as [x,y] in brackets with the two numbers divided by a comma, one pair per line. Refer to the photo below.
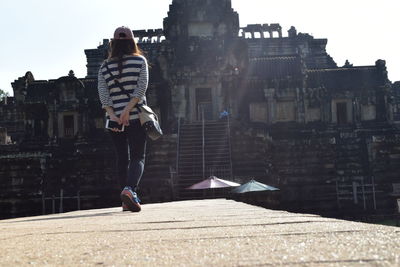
[119,48]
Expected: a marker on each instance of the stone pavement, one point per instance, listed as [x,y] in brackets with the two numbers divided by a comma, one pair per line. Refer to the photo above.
[195,233]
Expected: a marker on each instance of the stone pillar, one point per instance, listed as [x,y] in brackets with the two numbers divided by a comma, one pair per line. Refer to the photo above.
[219,104]
[292,32]
[356,111]
[264,35]
[300,103]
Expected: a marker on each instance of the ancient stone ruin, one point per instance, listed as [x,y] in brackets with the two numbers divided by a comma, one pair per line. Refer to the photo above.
[237,103]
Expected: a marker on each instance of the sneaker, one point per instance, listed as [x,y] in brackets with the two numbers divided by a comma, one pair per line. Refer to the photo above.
[124,207]
[130,199]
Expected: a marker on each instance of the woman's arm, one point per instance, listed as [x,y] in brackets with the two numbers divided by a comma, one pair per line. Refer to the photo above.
[104,95]
[102,88]
[143,81]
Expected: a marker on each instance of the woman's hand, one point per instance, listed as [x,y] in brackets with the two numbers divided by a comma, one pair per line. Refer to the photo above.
[124,117]
[110,112]
[115,118]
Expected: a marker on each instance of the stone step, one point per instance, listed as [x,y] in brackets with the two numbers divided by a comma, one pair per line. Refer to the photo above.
[210,157]
[196,132]
[206,137]
[207,123]
[219,153]
[199,168]
[208,152]
[200,142]
[220,149]
[199,172]
[189,166]
[207,157]
[199,160]
[207,131]
[190,170]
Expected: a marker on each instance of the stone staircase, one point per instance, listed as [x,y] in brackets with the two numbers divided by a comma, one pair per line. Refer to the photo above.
[194,165]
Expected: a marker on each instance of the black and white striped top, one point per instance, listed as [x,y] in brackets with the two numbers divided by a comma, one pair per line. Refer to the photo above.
[134,78]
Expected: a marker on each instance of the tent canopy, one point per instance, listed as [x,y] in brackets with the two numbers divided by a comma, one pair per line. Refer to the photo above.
[253,186]
[213,182]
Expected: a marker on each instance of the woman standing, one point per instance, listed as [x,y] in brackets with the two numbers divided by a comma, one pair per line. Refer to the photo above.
[122,84]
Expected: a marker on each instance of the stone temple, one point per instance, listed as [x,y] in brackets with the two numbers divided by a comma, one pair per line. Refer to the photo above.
[234,102]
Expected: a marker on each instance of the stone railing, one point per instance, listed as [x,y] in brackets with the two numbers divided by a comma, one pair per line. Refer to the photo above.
[261,30]
[149,36]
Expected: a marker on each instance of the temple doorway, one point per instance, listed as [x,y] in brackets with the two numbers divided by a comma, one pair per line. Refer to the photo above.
[341,109]
[69,126]
[204,104]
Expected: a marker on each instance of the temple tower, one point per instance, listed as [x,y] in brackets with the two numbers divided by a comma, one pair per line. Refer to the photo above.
[200,33]
[201,18]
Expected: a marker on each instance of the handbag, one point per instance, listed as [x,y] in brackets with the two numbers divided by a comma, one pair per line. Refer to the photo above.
[149,121]
[147,117]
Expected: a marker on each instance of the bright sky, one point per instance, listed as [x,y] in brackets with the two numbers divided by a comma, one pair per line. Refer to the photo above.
[47,37]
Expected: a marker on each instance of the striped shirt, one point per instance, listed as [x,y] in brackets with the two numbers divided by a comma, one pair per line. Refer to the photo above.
[134,79]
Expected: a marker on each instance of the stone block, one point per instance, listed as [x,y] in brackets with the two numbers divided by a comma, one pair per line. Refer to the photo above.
[17,181]
[285,111]
[368,112]
[313,114]
[258,112]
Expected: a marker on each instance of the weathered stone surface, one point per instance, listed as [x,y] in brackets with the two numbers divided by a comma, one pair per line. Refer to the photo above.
[196,233]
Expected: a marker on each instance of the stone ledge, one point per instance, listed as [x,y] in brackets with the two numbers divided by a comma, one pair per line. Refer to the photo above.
[215,232]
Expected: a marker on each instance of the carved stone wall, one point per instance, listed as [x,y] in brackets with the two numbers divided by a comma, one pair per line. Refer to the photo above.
[341,172]
[396,101]
[21,178]
[3,136]
[95,58]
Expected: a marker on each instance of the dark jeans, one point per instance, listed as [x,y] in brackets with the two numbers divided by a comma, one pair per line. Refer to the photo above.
[130,146]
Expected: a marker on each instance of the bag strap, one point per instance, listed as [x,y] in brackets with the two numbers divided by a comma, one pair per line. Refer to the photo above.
[116,81]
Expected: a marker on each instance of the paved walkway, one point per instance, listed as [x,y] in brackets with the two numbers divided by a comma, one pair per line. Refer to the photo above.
[195,233]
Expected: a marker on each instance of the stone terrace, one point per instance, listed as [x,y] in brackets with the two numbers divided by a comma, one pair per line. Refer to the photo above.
[195,233]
